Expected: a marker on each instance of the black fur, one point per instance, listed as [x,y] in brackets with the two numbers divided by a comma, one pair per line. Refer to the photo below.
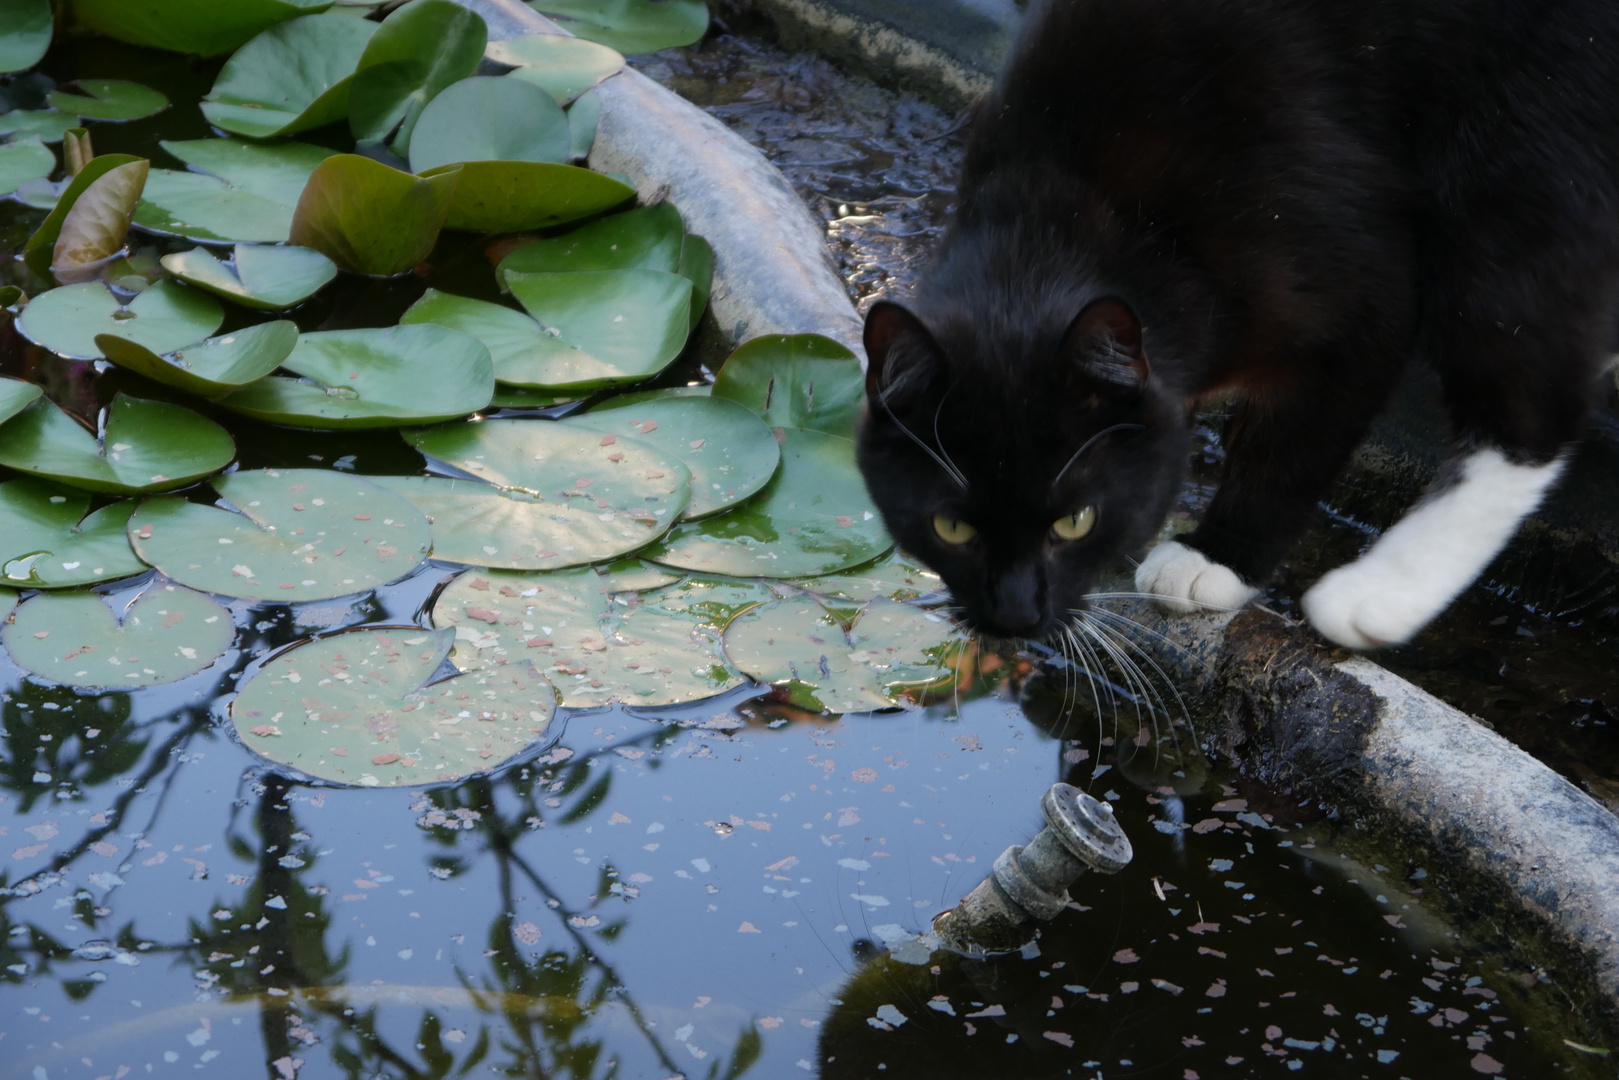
[1294,197]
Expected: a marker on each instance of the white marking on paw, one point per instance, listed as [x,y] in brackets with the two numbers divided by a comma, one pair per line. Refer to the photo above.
[1183,580]
[1424,562]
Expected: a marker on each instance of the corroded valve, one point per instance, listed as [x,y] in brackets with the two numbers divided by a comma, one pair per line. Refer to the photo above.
[1030,884]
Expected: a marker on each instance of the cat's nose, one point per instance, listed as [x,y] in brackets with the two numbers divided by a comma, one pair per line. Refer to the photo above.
[1015,605]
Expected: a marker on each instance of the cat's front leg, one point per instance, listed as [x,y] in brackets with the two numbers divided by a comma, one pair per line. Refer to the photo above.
[1185,581]
[1419,566]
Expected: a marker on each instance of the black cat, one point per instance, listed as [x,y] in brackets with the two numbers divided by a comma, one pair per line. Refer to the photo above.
[1164,200]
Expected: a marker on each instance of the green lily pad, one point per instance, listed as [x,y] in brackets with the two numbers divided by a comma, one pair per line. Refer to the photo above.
[634,575]
[95,226]
[584,118]
[801,648]
[201,27]
[814,517]
[15,396]
[25,33]
[631,26]
[729,451]
[892,577]
[514,196]
[261,276]
[24,160]
[10,295]
[211,368]
[46,125]
[369,218]
[293,77]
[489,119]
[75,639]
[521,397]
[358,708]
[277,171]
[49,542]
[418,50]
[301,534]
[147,446]
[563,67]
[796,380]
[647,238]
[163,318]
[631,486]
[697,267]
[249,194]
[356,379]
[8,603]
[109,99]
[37,251]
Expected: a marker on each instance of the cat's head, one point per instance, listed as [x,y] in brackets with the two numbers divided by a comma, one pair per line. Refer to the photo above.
[1018,461]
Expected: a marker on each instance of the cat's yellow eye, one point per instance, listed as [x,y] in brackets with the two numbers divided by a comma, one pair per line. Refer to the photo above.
[1075,526]
[952,531]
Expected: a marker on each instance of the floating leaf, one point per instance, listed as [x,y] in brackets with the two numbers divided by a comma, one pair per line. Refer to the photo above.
[49,543]
[22,161]
[15,395]
[563,67]
[729,451]
[796,380]
[293,77]
[11,295]
[356,379]
[697,267]
[163,318]
[25,33]
[519,397]
[631,26]
[276,171]
[109,99]
[633,575]
[584,117]
[94,229]
[647,238]
[211,368]
[301,534]
[489,119]
[249,194]
[814,517]
[357,708]
[37,251]
[513,196]
[202,27]
[147,446]
[47,125]
[418,50]
[892,577]
[801,648]
[166,635]
[8,602]
[369,218]
[261,276]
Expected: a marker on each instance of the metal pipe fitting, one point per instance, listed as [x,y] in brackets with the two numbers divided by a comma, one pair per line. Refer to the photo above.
[1029,884]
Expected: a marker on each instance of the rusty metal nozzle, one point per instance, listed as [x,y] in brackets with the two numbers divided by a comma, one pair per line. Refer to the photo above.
[1030,884]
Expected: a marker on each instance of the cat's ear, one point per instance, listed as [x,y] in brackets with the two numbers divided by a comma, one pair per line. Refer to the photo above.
[896,342]
[1104,342]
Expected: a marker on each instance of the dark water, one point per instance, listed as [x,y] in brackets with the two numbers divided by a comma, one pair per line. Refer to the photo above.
[704,892]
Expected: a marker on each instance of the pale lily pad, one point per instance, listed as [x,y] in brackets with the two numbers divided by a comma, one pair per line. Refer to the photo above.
[109,99]
[293,77]
[50,543]
[203,27]
[892,577]
[25,33]
[796,380]
[356,379]
[802,649]
[24,160]
[15,396]
[647,238]
[94,229]
[163,318]
[277,171]
[262,276]
[729,451]
[165,635]
[418,50]
[46,125]
[520,397]
[37,251]
[513,196]
[358,708]
[635,575]
[564,67]
[584,118]
[489,119]
[147,446]
[211,368]
[814,517]
[300,534]
[249,194]
[8,603]
[369,218]
[631,26]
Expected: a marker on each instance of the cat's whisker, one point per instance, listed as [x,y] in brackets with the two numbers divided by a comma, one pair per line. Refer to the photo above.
[948,466]
[1091,442]
[1090,669]
[1133,676]
[1156,700]
[938,440]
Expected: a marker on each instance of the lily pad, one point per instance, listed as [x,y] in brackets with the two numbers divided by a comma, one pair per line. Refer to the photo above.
[814,517]
[163,318]
[8,603]
[46,125]
[635,575]
[796,380]
[109,99]
[25,33]
[166,635]
[94,229]
[248,195]
[418,50]
[300,534]
[293,77]
[563,67]
[202,27]
[15,396]
[647,238]
[697,267]
[631,26]
[892,577]
[514,196]
[369,218]
[37,251]
[50,543]
[358,708]
[356,379]
[261,276]
[24,160]
[584,118]
[489,119]
[276,171]
[520,397]
[211,368]
[729,451]
[802,649]
[147,446]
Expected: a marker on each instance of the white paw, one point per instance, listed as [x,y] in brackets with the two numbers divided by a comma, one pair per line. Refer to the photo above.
[1183,580]
[1367,606]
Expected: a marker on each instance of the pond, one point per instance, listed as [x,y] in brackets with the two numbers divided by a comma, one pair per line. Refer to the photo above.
[728,887]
